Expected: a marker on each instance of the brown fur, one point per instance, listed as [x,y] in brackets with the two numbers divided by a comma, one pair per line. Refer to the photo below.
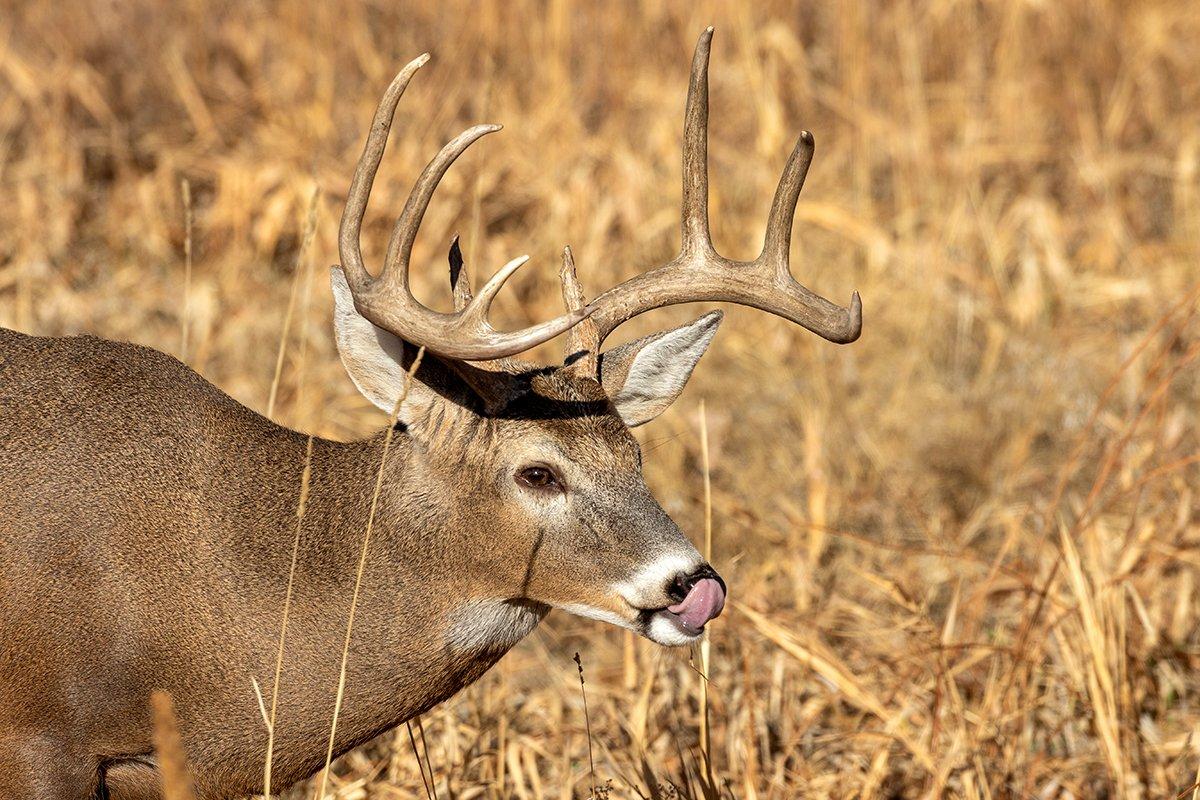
[146,522]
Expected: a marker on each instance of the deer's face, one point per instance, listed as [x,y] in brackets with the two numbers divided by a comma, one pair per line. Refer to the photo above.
[542,477]
[569,520]
[580,493]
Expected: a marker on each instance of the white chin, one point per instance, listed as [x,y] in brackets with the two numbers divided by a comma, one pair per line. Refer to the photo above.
[666,629]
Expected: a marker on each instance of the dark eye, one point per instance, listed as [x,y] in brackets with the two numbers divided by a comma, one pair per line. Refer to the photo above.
[538,477]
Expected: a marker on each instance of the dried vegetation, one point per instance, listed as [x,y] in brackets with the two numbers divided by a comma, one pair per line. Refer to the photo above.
[963,550]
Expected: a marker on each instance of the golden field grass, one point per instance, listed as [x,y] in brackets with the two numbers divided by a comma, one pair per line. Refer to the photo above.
[962,551]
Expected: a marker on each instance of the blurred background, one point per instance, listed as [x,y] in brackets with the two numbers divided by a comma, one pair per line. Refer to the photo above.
[963,549]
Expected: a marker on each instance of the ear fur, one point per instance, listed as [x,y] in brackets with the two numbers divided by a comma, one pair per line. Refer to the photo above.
[642,378]
[377,361]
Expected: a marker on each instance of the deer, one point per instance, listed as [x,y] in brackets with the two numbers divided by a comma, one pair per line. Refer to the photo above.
[145,514]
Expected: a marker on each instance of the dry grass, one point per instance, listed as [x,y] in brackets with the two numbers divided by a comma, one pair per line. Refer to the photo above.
[963,549]
[168,745]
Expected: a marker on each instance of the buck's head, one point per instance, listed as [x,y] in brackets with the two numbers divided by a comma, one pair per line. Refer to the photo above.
[543,456]
[548,475]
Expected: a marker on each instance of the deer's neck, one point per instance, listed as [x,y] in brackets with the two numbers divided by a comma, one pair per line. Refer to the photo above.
[421,630]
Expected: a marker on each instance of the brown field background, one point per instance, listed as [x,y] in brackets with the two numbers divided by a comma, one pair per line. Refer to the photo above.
[962,550]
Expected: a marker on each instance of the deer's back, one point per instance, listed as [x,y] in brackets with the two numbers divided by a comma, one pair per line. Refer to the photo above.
[92,427]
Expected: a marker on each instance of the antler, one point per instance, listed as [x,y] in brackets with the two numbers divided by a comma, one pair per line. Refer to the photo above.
[700,273]
[583,341]
[387,300]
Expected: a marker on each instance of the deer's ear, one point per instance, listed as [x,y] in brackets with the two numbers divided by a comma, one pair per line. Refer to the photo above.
[378,362]
[645,376]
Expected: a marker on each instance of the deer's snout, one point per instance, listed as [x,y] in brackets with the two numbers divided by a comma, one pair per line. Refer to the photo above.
[699,597]
[679,586]
[677,602]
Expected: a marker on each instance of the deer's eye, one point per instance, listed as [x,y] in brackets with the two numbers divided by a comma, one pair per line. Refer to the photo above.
[539,477]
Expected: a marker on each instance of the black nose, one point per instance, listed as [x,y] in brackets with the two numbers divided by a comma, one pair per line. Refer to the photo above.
[681,584]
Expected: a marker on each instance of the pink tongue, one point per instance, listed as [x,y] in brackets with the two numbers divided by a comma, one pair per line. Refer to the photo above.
[703,602]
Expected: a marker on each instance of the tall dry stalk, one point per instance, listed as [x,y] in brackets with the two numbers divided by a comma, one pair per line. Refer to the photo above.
[168,748]
[185,192]
[362,563]
[305,479]
[705,644]
[300,274]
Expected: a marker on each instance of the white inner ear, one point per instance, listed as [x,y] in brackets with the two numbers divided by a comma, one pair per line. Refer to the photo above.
[373,357]
[661,369]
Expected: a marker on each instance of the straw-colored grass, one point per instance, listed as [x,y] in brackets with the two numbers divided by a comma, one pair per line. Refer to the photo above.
[962,551]
[168,747]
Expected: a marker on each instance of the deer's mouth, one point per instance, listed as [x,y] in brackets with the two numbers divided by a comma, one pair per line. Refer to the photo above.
[703,602]
[683,622]
[667,628]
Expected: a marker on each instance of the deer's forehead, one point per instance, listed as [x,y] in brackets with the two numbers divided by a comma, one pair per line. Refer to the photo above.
[604,439]
[566,385]
[570,417]
[599,441]
[563,403]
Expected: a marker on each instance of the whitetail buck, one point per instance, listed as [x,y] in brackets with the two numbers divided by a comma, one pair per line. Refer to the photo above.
[145,516]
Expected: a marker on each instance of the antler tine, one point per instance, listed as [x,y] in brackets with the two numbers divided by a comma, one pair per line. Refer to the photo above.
[482,302]
[584,337]
[694,222]
[778,239]
[832,322]
[404,233]
[699,273]
[387,300]
[364,175]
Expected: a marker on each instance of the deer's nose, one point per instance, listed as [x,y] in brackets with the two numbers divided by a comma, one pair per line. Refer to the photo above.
[699,596]
[679,586]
